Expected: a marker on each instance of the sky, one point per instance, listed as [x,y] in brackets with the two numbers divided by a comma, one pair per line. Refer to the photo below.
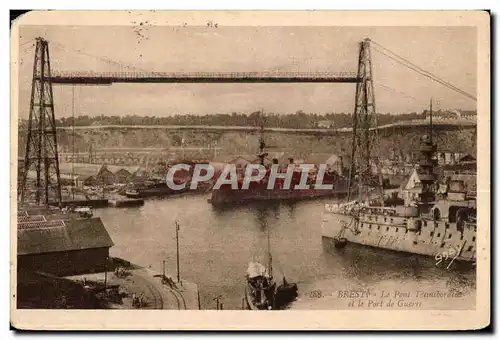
[448,52]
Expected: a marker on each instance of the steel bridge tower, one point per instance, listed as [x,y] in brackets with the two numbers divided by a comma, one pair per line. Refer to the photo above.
[41,154]
[364,136]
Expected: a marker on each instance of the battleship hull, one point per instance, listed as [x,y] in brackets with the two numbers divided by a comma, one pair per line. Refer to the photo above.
[399,233]
[225,197]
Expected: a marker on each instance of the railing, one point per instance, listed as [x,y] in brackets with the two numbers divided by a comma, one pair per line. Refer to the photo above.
[222,75]
[346,207]
[107,78]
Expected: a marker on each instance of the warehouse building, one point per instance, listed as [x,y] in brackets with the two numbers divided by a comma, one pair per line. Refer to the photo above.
[62,247]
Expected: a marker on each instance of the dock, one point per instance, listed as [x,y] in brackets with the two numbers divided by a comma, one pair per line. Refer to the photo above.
[104,203]
[125,203]
[94,203]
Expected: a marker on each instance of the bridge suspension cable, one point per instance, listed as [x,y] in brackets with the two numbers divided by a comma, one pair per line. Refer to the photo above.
[406,63]
[30,41]
[27,48]
[136,74]
[103,59]
[387,88]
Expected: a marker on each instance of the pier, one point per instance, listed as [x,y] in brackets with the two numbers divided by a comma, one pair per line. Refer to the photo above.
[104,203]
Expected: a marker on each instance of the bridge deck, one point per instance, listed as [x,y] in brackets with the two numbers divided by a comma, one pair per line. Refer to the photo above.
[200,77]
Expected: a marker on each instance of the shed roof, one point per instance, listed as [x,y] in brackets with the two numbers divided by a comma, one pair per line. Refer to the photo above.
[467,158]
[59,236]
[124,171]
[115,168]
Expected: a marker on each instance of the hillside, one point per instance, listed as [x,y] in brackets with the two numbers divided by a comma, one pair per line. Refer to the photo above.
[297,143]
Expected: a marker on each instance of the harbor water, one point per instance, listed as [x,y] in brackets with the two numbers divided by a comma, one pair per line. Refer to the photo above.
[216,245]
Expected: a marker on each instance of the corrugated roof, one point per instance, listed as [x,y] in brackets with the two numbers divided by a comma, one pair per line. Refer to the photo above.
[40,224]
[75,234]
[31,218]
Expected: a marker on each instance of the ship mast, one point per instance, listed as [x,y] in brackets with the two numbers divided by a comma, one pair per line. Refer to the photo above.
[430,125]
[262,143]
[427,164]
[270,257]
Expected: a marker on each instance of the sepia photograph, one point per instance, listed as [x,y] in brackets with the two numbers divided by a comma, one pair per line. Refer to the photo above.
[328,162]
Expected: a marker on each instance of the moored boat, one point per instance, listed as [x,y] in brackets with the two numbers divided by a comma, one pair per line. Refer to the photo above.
[295,191]
[262,292]
[153,189]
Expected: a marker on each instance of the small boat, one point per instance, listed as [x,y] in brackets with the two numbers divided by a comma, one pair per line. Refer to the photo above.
[83,211]
[153,188]
[262,292]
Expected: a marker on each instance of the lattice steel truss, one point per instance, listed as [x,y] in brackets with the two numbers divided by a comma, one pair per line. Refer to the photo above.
[41,155]
[364,132]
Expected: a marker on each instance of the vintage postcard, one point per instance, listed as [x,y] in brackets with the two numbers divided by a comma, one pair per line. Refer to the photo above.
[250,170]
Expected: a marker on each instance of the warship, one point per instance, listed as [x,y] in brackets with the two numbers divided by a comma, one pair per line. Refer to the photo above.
[437,218]
[258,191]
